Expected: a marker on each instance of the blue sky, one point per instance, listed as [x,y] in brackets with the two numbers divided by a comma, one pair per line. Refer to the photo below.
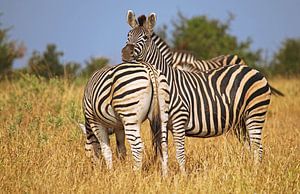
[99,28]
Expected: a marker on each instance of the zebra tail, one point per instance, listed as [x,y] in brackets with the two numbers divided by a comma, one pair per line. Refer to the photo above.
[156,117]
[276,92]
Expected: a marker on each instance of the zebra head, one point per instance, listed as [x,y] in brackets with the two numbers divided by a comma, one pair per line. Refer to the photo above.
[139,37]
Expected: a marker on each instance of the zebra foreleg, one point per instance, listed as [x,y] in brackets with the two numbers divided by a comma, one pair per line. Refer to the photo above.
[179,138]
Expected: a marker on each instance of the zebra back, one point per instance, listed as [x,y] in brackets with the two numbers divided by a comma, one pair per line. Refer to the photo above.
[186,61]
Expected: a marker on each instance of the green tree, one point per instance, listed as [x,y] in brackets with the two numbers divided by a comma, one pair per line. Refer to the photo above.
[47,64]
[208,38]
[287,60]
[93,64]
[9,52]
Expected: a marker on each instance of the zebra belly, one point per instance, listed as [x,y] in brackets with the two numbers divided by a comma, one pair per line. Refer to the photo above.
[208,121]
[200,129]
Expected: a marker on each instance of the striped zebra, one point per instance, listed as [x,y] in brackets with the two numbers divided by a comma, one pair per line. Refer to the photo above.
[234,97]
[188,62]
[122,97]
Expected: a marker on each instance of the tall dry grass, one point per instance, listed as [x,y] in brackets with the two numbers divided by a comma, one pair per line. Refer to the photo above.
[42,149]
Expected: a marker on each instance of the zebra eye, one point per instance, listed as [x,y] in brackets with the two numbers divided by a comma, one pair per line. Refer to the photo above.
[145,37]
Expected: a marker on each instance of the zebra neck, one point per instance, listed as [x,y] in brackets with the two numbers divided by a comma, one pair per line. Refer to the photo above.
[160,50]
[164,48]
[158,59]
[173,58]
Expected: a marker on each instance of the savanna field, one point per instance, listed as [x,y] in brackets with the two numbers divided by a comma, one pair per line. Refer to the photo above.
[42,148]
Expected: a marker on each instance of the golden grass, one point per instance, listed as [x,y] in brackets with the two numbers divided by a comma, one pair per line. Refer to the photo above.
[42,149]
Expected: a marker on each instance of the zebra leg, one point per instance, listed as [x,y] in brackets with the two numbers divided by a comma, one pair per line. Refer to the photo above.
[92,146]
[242,134]
[102,135]
[121,149]
[179,138]
[132,134]
[254,126]
[164,146]
[255,143]
[164,103]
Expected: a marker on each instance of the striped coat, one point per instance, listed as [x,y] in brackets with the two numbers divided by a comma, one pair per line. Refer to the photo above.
[234,97]
[122,97]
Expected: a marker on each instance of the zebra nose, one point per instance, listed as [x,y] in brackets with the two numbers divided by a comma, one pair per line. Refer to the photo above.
[127,52]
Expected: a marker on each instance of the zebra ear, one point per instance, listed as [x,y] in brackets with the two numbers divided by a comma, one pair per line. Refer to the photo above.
[151,21]
[131,20]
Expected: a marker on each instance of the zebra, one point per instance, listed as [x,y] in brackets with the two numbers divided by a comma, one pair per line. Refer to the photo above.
[187,61]
[122,97]
[233,97]
[181,60]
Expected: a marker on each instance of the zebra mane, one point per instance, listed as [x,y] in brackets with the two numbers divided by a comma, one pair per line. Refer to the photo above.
[161,44]
[141,20]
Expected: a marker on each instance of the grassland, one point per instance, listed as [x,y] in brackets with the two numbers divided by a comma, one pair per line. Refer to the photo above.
[42,149]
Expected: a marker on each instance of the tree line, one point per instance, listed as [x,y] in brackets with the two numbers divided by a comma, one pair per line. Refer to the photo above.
[204,37]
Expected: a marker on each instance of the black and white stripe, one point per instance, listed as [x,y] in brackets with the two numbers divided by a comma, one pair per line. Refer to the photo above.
[234,97]
[188,62]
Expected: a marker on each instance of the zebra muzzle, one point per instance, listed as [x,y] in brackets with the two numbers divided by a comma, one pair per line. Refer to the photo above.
[127,53]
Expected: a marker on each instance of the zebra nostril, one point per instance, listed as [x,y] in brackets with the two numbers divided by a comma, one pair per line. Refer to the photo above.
[128,52]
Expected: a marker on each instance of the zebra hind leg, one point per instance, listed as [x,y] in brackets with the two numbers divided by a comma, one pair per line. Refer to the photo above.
[164,146]
[242,134]
[255,115]
[121,149]
[92,145]
[102,135]
[254,126]
[132,134]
